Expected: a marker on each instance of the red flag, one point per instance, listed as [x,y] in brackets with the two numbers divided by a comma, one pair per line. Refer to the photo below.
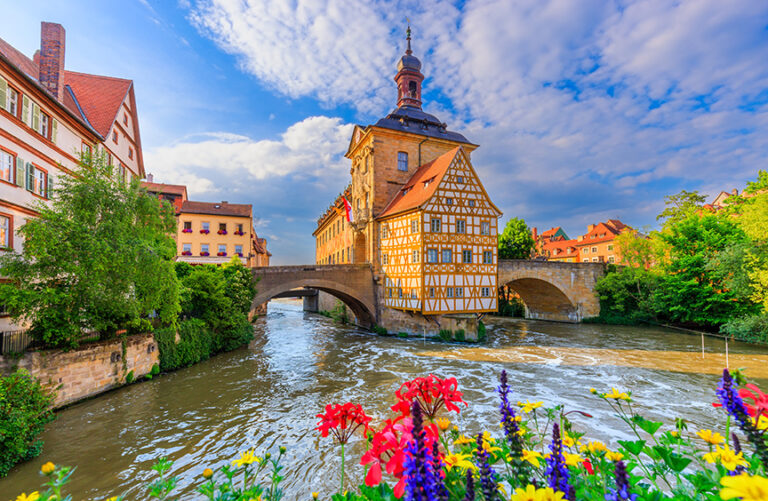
[348,209]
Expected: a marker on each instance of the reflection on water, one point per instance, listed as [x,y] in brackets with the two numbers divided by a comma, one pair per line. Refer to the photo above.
[267,395]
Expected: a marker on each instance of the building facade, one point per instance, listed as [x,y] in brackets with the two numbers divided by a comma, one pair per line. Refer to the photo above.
[413,191]
[598,244]
[334,242]
[49,116]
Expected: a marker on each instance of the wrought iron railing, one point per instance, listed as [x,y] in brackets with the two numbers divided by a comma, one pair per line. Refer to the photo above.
[14,341]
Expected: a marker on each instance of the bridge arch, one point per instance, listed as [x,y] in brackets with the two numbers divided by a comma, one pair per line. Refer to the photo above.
[352,284]
[562,292]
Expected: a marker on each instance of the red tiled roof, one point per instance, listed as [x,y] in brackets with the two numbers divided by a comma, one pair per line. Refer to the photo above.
[565,248]
[24,63]
[550,232]
[603,232]
[99,97]
[221,209]
[176,189]
[422,185]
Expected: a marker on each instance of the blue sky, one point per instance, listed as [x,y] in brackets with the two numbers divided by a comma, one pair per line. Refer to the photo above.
[583,110]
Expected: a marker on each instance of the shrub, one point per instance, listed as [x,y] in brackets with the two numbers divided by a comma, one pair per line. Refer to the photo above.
[751,328]
[402,334]
[339,313]
[24,411]
[195,344]
[460,336]
[445,334]
[381,331]
[481,335]
[129,377]
[513,307]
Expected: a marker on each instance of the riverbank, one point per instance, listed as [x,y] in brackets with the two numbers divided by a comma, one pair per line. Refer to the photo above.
[268,394]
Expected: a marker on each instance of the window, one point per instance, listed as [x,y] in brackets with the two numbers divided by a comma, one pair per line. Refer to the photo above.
[485,228]
[594,250]
[487,257]
[402,161]
[584,250]
[203,249]
[187,226]
[222,228]
[461,226]
[415,257]
[121,170]
[222,249]
[125,118]
[114,136]
[466,256]
[435,225]
[449,292]
[459,291]
[238,229]
[413,294]
[5,232]
[611,259]
[485,292]
[431,292]
[45,124]
[610,247]
[206,227]
[400,292]
[595,260]
[13,102]
[130,153]
[415,226]
[585,260]
[6,166]
[431,255]
[459,179]
[448,201]
[385,258]
[471,203]
[36,180]
[447,256]
[186,249]
[385,231]
[389,292]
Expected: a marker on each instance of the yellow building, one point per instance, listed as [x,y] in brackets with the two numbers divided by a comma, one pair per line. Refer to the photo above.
[334,235]
[211,233]
[415,198]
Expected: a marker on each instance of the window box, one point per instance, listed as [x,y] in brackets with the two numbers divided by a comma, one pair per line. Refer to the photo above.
[205,232]
[186,253]
[221,254]
[186,230]
[205,254]
[238,232]
[239,254]
[222,232]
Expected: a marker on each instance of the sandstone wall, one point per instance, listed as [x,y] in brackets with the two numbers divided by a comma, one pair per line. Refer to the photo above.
[89,370]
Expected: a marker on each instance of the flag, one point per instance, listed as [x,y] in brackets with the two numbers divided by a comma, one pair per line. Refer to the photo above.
[348,209]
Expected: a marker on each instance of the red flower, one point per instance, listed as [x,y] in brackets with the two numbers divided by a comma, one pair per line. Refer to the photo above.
[342,421]
[431,393]
[759,399]
[588,465]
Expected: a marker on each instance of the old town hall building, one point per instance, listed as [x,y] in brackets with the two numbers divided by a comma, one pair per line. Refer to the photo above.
[420,214]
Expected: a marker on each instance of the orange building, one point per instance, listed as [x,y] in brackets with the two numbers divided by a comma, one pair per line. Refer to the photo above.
[334,235]
[597,245]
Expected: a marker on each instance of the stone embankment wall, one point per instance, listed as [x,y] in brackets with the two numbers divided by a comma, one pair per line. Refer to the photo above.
[88,370]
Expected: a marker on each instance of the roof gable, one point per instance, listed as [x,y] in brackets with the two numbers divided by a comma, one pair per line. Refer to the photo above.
[99,97]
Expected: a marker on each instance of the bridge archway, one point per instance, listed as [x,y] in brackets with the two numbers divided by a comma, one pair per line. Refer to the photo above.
[353,285]
[544,300]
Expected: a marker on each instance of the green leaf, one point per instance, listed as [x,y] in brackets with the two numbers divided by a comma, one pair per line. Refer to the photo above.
[633,447]
[650,427]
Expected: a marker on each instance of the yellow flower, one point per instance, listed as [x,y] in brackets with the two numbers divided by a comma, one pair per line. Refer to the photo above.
[762,423]
[257,499]
[726,457]
[594,447]
[568,440]
[745,487]
[675,433]
[550,494]
[572,459]
[459,461]
[614,456]
[592,391]
[48,468]
[710,438]
[443,423]
[462,440]
[502,489]
[532,457]
[529,406]
[615,395]
[455,428]
[527,494]
[315,495]
[33,496]
[113,498]
[207,473]
[487,447]
[246,458]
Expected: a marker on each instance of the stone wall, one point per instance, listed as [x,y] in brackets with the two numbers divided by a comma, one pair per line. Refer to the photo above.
[90,369]
[413,323]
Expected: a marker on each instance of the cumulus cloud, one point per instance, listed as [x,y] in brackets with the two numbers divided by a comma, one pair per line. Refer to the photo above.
[584,110]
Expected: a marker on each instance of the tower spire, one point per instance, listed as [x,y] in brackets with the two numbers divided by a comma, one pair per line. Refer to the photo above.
[408,37]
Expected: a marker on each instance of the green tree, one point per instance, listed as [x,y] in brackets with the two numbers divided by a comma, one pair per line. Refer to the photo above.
[680,206]
[97,259]
[516,241]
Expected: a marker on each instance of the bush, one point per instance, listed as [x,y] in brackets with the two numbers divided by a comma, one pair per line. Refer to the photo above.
[481,334]
[460,336]
[24,411]
[445,334]
[751,328]
[381,331]
[339,313]
[626,296]
[195,344]
[402,334]
[513,307]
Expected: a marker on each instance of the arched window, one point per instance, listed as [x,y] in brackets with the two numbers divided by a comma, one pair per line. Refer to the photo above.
[412,88]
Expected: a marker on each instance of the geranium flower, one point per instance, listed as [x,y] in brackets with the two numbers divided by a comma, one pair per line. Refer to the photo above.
[342,420]
[431,393]
[745,487]
[725,456]
[709,437]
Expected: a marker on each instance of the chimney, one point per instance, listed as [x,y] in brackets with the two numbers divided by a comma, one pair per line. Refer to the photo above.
[535,233]
[150,178]
[590,227]
[52,49]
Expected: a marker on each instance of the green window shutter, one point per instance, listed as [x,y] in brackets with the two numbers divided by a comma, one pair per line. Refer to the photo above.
[54,129]
[19,172]
[30,177]
[35,116]
[3,93]
[25,109]
[49,186]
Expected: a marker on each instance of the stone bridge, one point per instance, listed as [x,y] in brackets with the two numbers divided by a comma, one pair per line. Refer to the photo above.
[351,283]
[563,292]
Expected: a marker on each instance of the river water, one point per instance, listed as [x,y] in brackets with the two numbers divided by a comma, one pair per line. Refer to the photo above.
[268,394]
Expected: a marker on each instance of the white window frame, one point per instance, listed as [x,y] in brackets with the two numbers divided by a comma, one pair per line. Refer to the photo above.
[432,255]
[443,253]
[5,226]
[461,226]
[7,161]
[402,161]
[449,292]
[434,225]
[485,228]
[464,254]
[488,257]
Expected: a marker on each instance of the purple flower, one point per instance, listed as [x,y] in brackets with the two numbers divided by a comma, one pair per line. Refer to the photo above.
[508,420]
[421,482]
[488,482]
[470,495]
[734,405]
[621,493]
[557,472]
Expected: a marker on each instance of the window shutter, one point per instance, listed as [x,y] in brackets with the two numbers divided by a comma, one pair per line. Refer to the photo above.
[49,186]
[30,177]
[3,94]
[35,116]
[19,172]
[54,130]
[25,110]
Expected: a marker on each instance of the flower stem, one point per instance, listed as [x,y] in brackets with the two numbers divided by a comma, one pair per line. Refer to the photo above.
[341,491]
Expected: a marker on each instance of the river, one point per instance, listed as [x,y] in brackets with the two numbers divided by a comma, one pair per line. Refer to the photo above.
[268,394]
